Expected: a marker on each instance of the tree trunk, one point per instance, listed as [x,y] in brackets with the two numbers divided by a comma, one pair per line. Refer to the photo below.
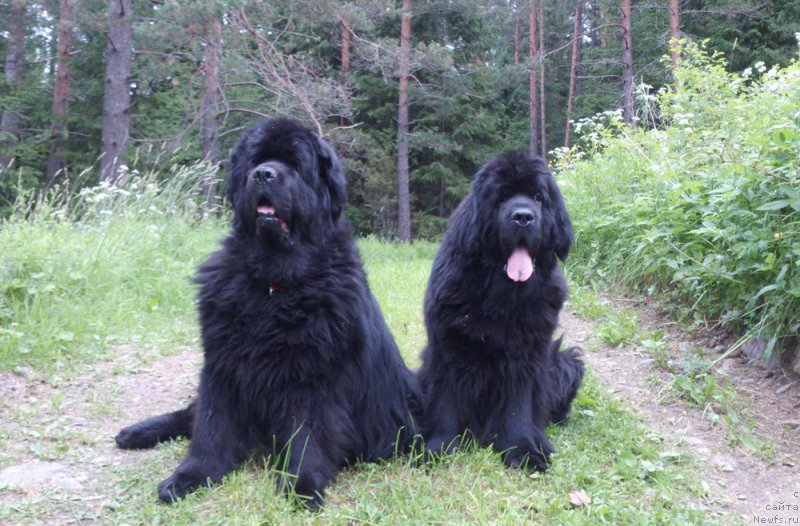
[347,37]
[674,34]
[573,70]
[541,79]
[210,106]
[347,40]
[15,56]
[516,34]
[627,63]
[534,84]
[403,198]
[56,165]
[601,14]
[116,93]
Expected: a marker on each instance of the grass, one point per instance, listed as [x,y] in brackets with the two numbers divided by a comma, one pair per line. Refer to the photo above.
[83,272]
[602,450]
[79,289]
[69,291]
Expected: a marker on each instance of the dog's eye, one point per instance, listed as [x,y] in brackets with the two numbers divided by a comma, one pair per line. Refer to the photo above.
[538,198]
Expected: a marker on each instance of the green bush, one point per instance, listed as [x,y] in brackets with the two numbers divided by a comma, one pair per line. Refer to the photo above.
[705,209]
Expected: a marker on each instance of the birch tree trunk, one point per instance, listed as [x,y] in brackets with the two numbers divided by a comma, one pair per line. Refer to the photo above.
[674,34]
[210,106]
[516,33]
[534,83]
[577,35]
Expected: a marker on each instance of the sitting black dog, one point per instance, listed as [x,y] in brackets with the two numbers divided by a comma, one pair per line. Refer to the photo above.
[297,354]
[491,369]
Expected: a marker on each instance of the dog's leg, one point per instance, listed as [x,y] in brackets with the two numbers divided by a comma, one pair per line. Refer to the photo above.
[215,450]
[521,439]
[441,423]
[161,428]
[307,470]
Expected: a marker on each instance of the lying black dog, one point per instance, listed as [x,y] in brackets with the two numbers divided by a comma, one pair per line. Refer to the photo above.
[297,354]
[491,369]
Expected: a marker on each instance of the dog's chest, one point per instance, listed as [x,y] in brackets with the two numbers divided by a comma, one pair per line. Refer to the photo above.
[276,329]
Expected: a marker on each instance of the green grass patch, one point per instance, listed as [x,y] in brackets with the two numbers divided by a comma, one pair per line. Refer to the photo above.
[99,278]
[107,266]
[398,275]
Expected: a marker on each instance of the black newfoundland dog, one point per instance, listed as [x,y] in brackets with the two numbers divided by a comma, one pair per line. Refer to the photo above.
[298,358]
[491,370]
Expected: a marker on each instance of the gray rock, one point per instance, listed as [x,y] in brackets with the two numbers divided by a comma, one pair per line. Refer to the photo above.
[754,349]
[36,474]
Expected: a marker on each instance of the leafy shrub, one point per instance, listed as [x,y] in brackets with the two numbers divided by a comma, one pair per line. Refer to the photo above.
[705,210]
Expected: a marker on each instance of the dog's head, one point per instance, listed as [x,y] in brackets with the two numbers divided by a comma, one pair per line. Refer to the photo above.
[285,184]
[516,214]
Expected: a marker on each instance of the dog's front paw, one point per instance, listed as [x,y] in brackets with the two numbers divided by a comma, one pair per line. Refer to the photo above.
[439,446]
[306,491]
[135,437]
[178,485]
[528,454]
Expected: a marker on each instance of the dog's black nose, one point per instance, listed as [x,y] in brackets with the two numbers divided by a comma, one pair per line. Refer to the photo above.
[264,173]
[522,216]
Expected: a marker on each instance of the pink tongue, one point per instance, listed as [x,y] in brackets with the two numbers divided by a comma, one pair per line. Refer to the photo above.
[520,265]
[264,209]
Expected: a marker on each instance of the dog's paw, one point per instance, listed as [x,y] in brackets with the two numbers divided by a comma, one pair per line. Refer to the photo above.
[178,485]
[305,492]
[439,446]
[527,454]
[135,437]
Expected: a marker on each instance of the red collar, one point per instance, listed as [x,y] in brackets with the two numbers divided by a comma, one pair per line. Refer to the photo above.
[273,288]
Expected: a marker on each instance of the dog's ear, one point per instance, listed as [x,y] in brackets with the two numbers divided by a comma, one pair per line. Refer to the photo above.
[332,176]
[561,229]
[469,229]
[237,169]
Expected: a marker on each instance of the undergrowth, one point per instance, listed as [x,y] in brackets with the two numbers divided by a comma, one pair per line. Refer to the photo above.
[703,210]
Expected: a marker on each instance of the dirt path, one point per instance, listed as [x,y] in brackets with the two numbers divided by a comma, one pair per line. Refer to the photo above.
[739,482]
[60,462]
[61,466]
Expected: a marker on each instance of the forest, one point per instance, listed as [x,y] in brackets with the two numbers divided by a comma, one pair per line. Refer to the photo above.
[414,95]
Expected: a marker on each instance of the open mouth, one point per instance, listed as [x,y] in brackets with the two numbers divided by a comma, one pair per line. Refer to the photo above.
[265,214]
[520,266]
